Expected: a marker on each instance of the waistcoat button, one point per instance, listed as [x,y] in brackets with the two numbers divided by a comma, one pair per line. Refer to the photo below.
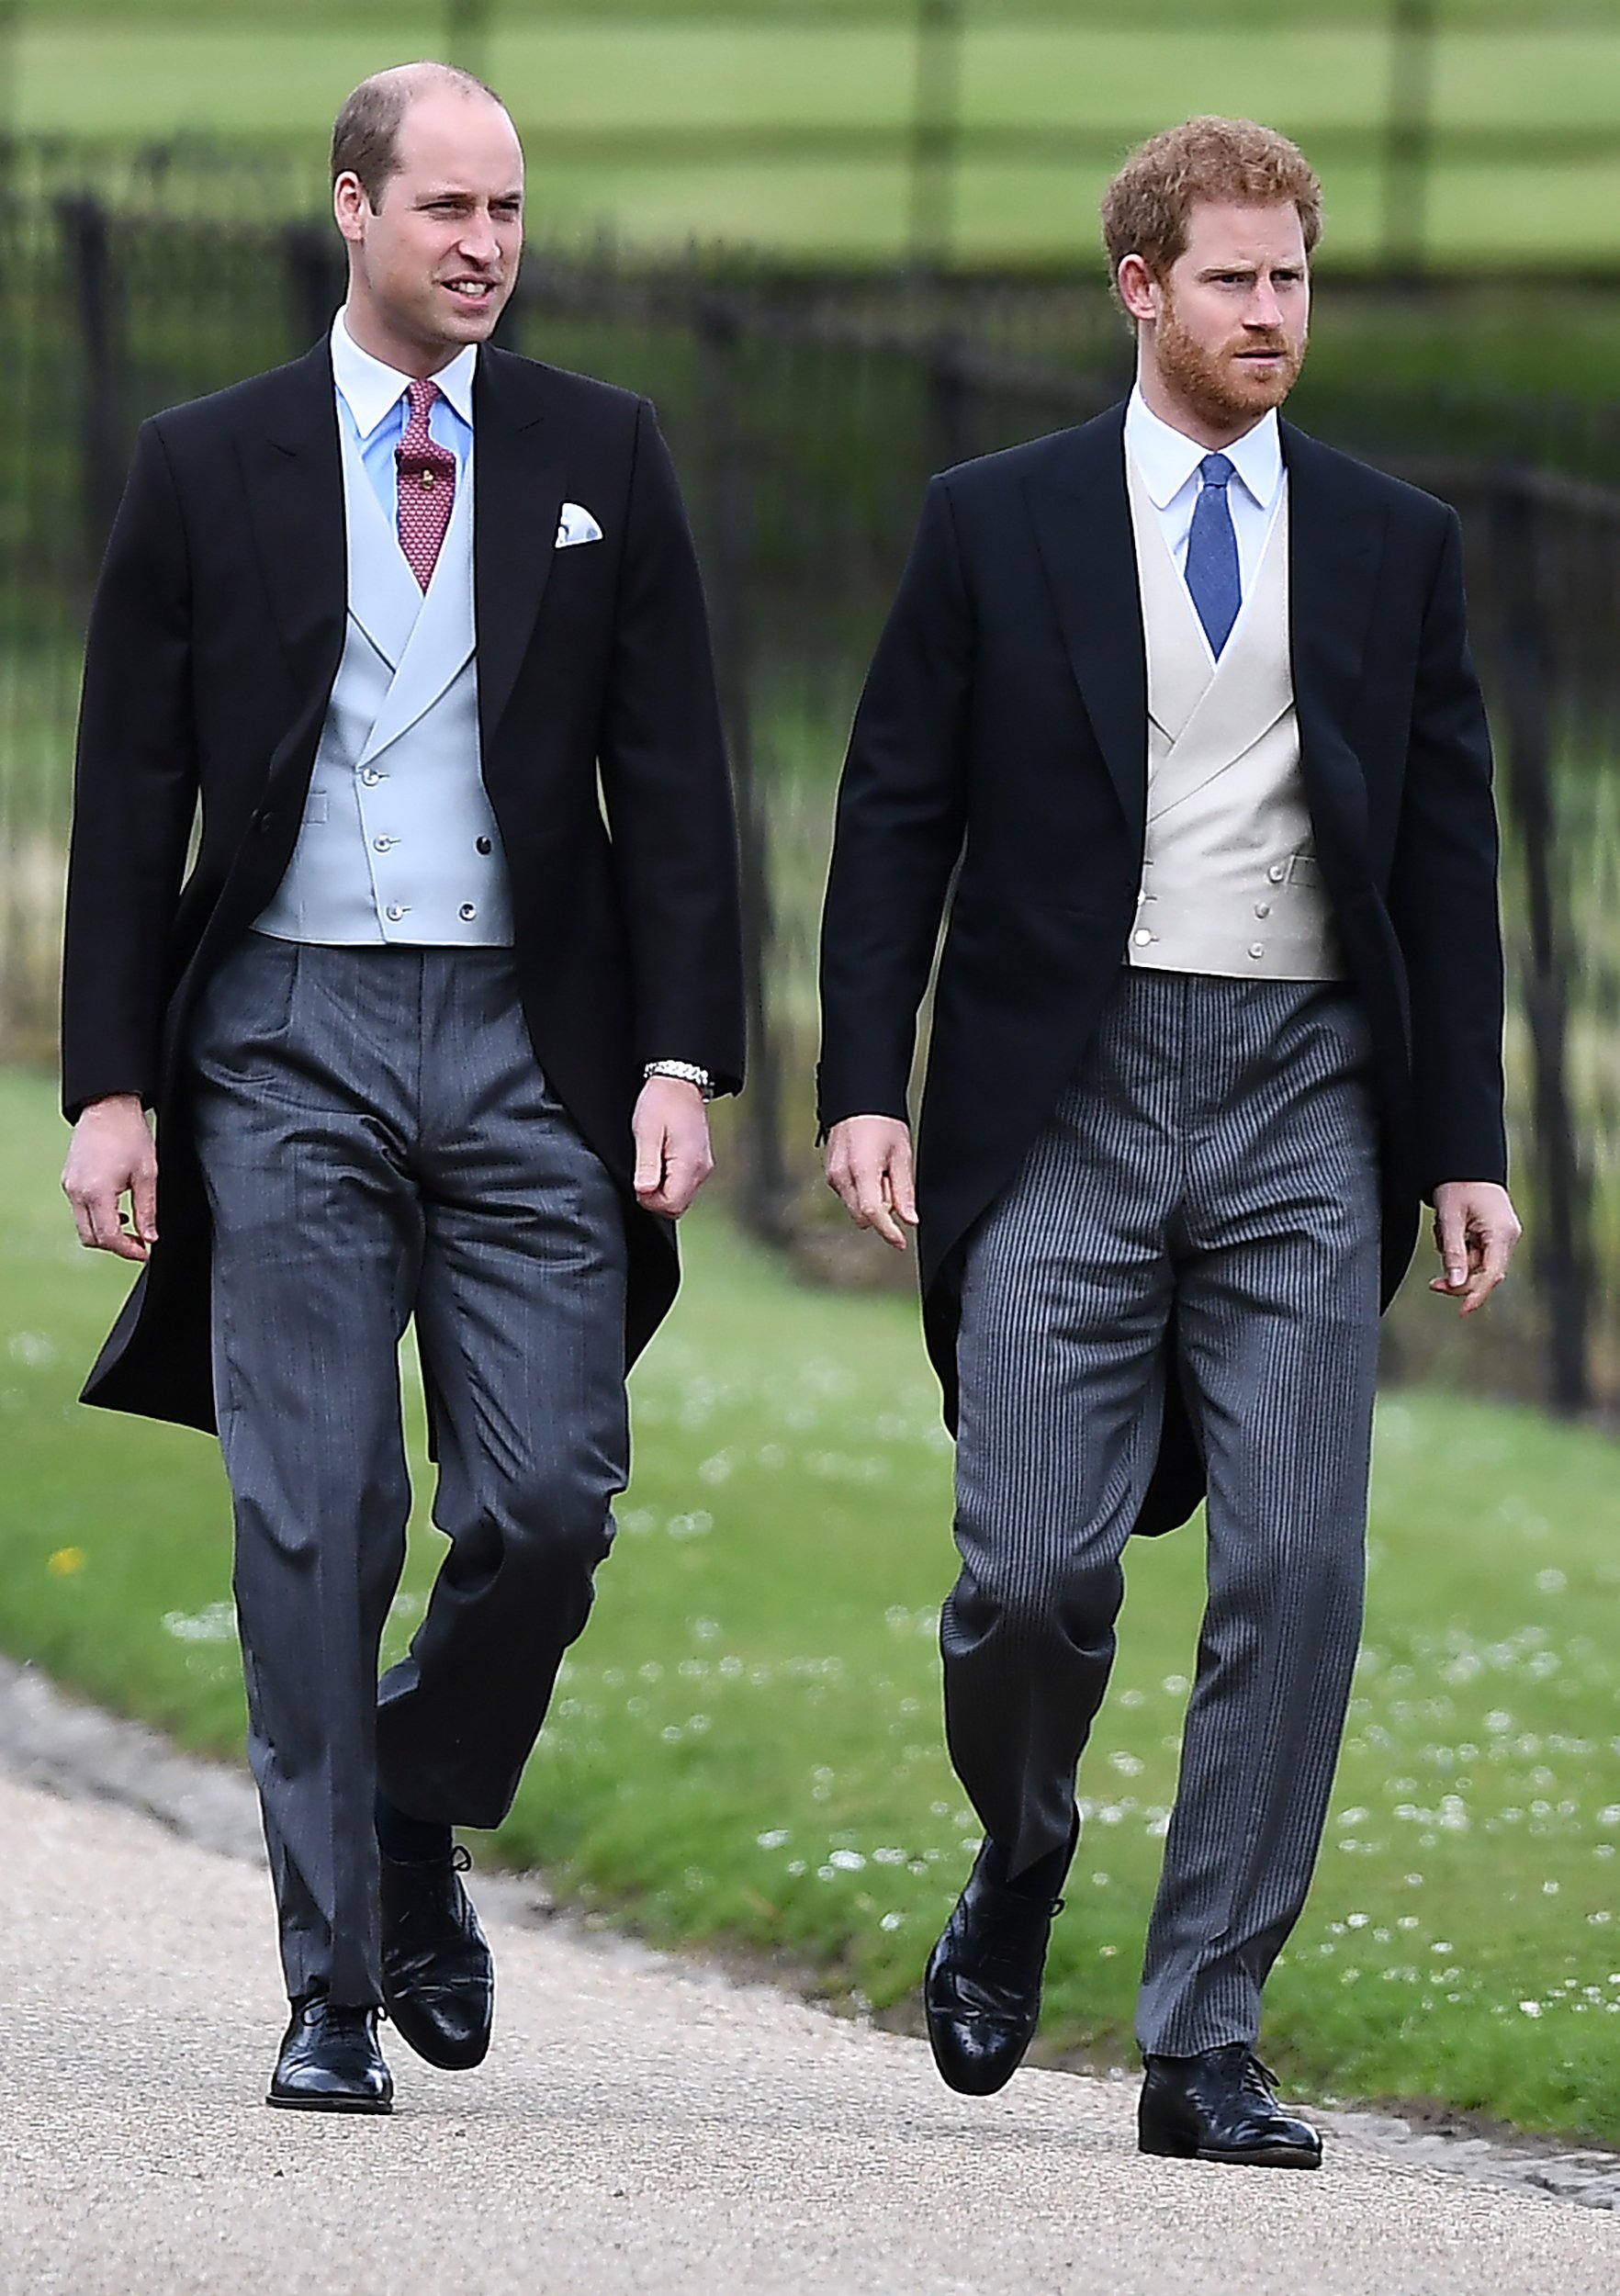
[395,912]
[1142,939]
[1257,948]
[1263,908]
[468,912]
[485,846]
[1278,872]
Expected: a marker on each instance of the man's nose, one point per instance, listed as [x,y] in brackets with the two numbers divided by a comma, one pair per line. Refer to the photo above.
[1265,308]
[478,242]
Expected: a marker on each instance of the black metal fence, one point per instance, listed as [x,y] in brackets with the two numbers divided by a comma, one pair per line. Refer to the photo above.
[804,427]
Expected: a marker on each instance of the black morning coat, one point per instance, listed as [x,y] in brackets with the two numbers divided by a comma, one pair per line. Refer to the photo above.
[1002,740]
[215,637]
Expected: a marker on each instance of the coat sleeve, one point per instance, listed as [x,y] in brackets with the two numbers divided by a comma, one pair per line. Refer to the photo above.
[901,815]
[134,795]
[666,789]
[1442,900]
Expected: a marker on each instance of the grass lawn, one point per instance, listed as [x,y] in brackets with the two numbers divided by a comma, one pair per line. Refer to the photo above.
[747,1746]
[138,70]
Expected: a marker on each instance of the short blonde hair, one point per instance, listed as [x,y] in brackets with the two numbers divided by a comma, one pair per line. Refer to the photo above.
[1146,208]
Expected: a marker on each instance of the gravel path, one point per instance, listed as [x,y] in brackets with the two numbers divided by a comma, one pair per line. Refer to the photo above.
[639,2125]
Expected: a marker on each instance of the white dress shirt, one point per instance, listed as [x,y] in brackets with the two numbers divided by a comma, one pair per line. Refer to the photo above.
[372,399]
[1168,462]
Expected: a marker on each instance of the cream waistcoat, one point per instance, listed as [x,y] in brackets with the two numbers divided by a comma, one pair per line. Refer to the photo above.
[1231,883]
[399,843]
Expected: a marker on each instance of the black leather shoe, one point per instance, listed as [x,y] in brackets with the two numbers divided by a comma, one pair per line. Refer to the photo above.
[1219,2106]
[329,2060]
[437,1975]
[982,1992]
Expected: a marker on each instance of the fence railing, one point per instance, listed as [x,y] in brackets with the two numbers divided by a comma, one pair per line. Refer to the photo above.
[805,431]
[1407,105]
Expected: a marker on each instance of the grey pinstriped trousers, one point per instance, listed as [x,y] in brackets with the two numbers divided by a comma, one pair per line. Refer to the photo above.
[380,1147]
[1214,1162]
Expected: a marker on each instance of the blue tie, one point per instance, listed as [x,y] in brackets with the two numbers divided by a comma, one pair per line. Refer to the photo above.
[1213,574]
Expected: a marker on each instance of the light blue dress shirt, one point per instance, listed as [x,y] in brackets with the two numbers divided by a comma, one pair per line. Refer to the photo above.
[372,399]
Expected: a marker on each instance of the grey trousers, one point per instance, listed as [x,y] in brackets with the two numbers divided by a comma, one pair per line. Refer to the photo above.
[1214,1163]
[379,1145]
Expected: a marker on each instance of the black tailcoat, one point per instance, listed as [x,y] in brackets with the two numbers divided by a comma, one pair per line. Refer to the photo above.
[998,767]
[215,637]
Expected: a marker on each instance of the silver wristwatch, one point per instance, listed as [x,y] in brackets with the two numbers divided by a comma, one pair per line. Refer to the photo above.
[685,1072]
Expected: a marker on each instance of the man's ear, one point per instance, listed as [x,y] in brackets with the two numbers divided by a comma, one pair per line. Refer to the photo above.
[1138,290]
[350,206]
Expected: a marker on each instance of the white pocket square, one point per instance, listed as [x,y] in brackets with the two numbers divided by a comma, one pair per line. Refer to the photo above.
[576,524]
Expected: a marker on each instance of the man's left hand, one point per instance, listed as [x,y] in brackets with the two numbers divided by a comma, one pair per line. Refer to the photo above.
[1476,1229]
[672,1155]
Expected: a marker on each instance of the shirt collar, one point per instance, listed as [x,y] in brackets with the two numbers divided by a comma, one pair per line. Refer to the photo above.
[1167,458]
[371,390]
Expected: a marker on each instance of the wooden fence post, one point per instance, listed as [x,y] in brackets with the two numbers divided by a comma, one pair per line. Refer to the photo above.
[765,1192]
[1561,1237]
[97,303]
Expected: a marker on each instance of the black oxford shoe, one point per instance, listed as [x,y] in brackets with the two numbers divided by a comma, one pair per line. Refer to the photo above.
[437,1973]
[1219,2106]
[329,2060]
[982,1992]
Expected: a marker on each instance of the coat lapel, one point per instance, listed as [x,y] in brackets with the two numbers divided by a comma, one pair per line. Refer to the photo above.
[517,503]
[293,478]
[1082,519]
[1336,544]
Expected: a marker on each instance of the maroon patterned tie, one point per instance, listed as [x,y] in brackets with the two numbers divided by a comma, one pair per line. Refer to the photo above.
[427,487]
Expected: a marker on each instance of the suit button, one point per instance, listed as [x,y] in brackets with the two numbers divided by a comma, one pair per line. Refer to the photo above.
[1141,939]
[264,822]
[395,912]
[1257,948]
[1278,872]
[371,777]
[383,844]
[1263,908]
[468,912]
[485,846]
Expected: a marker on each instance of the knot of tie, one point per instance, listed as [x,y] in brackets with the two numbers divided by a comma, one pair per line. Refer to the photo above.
[418,450]
[1217,470]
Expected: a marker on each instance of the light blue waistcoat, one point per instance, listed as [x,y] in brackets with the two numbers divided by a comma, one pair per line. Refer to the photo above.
[399,843]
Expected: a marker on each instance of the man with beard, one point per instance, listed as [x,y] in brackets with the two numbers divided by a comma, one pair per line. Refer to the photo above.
[1177,711]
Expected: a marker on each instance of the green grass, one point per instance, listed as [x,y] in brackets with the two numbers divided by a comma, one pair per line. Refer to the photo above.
[433,15]
[746,1749]
[137,71]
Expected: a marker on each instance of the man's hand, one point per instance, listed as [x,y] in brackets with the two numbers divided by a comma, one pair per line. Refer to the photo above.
[1476,1229]
[869,1170]
[111,1157]
[672,1155]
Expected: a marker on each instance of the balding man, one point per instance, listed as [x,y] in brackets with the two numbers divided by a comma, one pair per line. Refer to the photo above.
[429,1027]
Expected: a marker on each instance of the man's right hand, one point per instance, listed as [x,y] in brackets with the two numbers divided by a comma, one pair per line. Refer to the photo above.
[869,1170]
[111,1157]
